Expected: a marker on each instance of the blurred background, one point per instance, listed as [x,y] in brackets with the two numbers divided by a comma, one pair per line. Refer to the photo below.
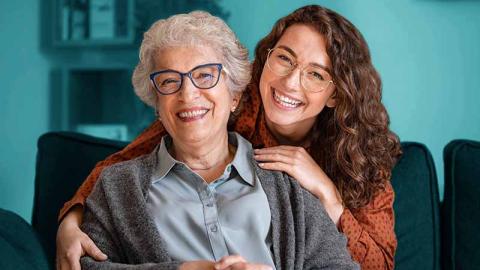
[66,65]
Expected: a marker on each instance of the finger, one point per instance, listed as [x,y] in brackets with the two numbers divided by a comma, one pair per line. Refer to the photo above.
[70,262]
[277,166]
[261,267]
[75,265]
[249,266]
[227,261]
[271,150]
[58,265]
[275,157]
[294,154]
[62,265]
[238,266]
[278,148]
[92,250]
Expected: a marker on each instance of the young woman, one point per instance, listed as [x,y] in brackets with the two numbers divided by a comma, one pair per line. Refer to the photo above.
[313,110]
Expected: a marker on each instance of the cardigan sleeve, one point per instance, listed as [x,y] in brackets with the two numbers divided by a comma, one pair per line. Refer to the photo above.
[98,224]
[370,231]
[325,246]
[143,144]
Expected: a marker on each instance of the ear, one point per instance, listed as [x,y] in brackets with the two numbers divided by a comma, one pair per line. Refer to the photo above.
[237,96]
[332,100]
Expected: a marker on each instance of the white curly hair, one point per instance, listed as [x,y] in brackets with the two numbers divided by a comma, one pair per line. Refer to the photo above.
[197,28]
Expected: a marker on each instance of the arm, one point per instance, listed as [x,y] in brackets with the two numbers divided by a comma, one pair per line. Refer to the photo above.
[143,144]
[98,225]
[325,246]
[370,231]
[72,243]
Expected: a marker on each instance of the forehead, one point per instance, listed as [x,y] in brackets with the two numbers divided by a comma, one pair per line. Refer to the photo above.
[308,45]
[184,59]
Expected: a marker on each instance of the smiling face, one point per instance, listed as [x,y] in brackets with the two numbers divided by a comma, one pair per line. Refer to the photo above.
[288,105]
[193,115]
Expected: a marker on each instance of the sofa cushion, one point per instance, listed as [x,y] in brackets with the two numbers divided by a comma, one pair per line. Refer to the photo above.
[64,160]
[416,209]
[461,207]
[19,246]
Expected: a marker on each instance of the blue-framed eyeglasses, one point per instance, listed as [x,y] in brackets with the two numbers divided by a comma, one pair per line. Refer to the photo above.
[170,81]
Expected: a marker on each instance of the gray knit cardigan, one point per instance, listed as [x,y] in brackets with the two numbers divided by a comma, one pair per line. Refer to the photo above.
[116,218]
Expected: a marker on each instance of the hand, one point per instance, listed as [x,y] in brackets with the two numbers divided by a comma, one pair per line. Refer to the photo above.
[72,243]
[296,162]
[236,262]
[197,265]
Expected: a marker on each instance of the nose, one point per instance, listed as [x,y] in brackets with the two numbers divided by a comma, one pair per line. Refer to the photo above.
[292,81]
[188,92]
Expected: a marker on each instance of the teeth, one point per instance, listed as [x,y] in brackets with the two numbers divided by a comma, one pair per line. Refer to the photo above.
[190,114]
[286,101]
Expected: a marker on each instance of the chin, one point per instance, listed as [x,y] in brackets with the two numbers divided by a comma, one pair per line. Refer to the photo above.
[280,119]
[193,136]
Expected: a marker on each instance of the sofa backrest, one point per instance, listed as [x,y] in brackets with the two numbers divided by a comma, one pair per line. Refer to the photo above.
[19,245]
[64,160]
[461,205]
[416,208]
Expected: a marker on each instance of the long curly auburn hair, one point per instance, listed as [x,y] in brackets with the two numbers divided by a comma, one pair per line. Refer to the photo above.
[352,141]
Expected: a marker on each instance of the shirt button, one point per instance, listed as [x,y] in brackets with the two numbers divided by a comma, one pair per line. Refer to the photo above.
[214,228]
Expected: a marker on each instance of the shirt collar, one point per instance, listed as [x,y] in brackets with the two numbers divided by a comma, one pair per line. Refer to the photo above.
[242,160]
[165,161]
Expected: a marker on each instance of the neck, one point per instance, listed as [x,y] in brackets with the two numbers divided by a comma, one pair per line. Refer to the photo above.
[208,159]
[294,134]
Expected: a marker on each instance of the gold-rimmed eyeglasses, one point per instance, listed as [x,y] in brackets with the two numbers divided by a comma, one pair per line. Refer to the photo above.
[313,78]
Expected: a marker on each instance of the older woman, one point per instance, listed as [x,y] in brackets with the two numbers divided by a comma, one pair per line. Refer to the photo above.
[199,200]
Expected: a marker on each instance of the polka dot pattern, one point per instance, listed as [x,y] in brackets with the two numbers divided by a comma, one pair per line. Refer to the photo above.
[369,230]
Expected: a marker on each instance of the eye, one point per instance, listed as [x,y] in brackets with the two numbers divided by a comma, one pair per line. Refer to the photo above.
[317,76]
[168,81]
[205,76]
[285,59]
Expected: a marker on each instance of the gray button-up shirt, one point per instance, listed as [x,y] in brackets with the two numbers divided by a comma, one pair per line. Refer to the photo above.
[201,221]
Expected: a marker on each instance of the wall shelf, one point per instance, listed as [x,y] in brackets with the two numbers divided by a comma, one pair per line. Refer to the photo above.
[98,102]
[84,23]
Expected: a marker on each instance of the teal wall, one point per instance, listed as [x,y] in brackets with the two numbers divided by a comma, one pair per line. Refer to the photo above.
[426,51]
[23,102]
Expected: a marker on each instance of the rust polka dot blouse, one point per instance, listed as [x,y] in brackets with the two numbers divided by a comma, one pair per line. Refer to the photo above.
[369,230]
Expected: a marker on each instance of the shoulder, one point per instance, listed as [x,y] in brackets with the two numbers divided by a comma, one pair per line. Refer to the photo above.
[128,167]
[313,209]
[136,172]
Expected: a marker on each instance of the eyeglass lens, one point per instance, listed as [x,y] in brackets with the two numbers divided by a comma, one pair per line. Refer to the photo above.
[282,63]
[202,77]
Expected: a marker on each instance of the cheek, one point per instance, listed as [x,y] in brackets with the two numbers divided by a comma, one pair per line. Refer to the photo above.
[163,107]
[222,101]
[317,104]
[265,80]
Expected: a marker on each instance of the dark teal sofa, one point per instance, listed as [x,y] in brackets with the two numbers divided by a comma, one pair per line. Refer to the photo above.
[64,159]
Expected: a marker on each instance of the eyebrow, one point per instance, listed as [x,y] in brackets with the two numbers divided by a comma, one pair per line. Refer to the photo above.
[288,49]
